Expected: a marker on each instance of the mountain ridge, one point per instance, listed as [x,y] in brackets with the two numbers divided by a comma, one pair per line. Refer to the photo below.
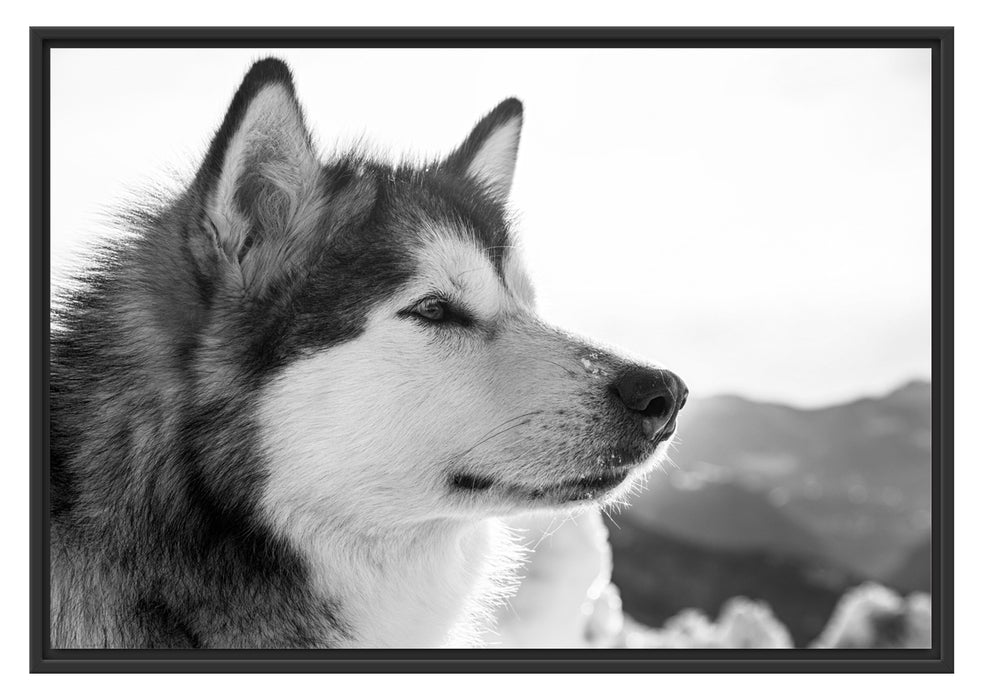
[845,489]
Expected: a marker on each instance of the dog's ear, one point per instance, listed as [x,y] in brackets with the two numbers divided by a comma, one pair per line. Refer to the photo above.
[489,152]
[259,182]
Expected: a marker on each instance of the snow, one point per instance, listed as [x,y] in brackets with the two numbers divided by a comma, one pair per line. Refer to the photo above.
[872,615]
[566,600]
[743,624]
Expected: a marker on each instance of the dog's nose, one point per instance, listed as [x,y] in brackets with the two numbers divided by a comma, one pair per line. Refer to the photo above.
[656,395]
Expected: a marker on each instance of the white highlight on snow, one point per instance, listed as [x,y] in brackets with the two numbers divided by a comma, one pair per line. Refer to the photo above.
[595,370]
[873,616]
[743,624]
[567,600]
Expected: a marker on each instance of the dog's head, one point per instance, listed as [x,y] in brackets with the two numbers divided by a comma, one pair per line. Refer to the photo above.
[384,319]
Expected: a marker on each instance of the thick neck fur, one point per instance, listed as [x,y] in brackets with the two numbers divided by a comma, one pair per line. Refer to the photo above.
[429,585]
[154,543]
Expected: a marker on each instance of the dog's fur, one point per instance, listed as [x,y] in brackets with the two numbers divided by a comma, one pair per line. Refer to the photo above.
[261,437]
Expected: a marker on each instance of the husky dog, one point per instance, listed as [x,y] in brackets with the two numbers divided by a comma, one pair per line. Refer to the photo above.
[289,410]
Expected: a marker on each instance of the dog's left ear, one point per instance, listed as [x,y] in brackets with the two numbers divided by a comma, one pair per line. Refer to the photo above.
[259,182]
[488,154]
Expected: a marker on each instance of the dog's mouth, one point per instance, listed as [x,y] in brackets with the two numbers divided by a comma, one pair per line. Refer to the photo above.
[598,477]
[608,471]
[585,488]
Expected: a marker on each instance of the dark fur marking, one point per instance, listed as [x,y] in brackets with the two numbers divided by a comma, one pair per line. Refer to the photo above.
[472,482]
[165,628]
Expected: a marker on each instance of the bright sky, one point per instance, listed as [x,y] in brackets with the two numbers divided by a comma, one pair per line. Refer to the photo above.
[757,220]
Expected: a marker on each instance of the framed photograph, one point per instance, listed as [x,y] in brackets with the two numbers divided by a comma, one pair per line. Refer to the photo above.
[472,349]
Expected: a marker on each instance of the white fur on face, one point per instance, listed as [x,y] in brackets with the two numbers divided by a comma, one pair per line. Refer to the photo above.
[365,440]
[518,282]
[462,272]
[365,422]
[383,422]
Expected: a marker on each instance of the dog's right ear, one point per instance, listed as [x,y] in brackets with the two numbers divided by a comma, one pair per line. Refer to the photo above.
[488,154]
[259,181]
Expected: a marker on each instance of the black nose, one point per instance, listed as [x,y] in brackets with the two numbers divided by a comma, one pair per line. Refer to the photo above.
[655,395]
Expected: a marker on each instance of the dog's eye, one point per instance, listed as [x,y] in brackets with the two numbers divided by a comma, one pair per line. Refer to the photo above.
[431,309]
[436,311]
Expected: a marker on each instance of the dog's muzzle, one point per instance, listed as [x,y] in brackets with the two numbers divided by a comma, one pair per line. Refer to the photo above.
[653,397]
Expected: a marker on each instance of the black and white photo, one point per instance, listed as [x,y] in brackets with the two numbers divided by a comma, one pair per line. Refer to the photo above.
[566,349]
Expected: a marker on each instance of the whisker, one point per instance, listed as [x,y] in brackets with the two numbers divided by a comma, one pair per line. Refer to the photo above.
[566,369]
[608,516]
[547,531]
[500,431]
[509,420]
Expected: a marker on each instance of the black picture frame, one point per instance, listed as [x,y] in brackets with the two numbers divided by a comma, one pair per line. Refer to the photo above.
[937,659]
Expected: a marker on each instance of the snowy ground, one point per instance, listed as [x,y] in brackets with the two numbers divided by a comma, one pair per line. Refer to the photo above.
[567,600]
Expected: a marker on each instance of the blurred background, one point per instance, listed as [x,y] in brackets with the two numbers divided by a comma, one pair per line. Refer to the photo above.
[791,506]
[756,220]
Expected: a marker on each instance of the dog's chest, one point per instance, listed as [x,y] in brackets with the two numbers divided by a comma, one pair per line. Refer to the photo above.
[430,589]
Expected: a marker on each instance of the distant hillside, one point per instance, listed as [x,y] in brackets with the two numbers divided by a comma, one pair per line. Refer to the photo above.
[914,572]
[787,505]
[722,515]
[660,575]
[850,482]
[883,442]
